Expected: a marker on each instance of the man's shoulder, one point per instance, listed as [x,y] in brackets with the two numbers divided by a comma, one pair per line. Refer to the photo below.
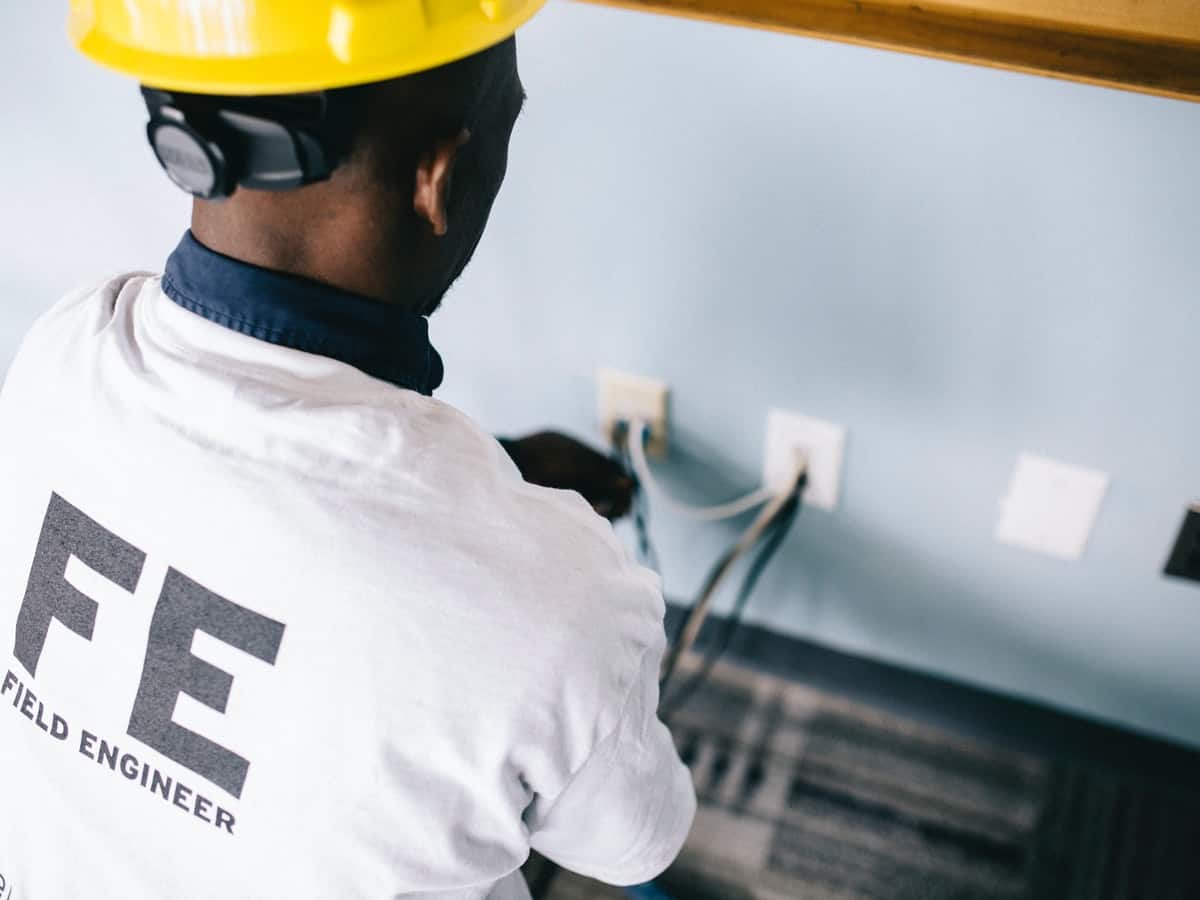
[552,541]
[99,295]
[55,333]
[472,468]
[85,309]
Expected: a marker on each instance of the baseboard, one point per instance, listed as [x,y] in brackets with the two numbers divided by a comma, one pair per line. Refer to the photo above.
[973,711]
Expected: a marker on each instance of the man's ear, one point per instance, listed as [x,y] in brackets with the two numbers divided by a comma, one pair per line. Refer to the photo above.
[433,181]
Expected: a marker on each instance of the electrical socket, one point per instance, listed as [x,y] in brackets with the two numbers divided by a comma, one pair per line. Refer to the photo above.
[621,396]
[822,444]
[1185,558]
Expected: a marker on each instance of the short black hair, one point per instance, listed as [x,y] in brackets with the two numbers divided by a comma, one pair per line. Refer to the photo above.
[433,104]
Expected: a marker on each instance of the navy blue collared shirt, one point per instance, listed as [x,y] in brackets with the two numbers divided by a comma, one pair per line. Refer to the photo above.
[382,340]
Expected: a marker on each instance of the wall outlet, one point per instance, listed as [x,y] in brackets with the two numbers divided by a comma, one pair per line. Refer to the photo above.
[1050,506]
[824,445]
[1185,557]
[621,396]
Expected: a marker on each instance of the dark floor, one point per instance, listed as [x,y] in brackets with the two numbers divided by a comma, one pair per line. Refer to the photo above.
[830,777]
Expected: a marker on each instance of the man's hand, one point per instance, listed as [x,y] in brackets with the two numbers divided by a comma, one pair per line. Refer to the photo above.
[554,460]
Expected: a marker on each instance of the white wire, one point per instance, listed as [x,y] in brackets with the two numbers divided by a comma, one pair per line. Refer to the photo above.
[637,453]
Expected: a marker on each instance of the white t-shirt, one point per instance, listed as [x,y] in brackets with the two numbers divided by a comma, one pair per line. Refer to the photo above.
[273,628]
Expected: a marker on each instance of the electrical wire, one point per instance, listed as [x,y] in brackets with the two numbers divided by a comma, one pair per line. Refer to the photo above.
[641,466]
[640,512]
[641,517]
[641,522]
[690,628]
[769,546]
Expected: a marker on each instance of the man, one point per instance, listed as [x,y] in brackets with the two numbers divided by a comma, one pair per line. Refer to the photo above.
[283,625]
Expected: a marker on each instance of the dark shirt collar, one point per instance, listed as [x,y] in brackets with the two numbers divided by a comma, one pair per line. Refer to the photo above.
[382,340]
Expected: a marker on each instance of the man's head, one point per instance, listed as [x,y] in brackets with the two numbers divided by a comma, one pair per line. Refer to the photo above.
[419,162]
[358,142]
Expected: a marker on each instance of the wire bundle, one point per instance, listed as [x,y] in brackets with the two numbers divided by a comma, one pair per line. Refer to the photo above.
[766,533]
[775,531]
[636,451]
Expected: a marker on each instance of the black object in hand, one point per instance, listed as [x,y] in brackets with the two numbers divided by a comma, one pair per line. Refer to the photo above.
[554,460]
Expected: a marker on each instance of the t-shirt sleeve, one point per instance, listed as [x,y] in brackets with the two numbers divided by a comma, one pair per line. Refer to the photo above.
[625,813]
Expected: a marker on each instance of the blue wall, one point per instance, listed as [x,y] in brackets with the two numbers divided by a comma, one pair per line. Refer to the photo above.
[958,264]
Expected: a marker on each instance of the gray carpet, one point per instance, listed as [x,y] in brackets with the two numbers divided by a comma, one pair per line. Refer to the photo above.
[804,795]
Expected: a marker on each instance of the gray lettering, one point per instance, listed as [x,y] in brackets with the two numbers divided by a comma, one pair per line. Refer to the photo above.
[224,820]
[181,793]
[86,739]
[10,681]
[162,784]
[185,607]
[67,532]
[129,766]
[202,806]
[27,704]
[58,728]
[108,754]
[38,721]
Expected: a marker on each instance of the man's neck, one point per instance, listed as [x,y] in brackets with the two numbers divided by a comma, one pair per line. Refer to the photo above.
[340,245]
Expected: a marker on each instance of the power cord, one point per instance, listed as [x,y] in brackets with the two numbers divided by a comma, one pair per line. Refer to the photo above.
[641,467]
[640,512]
[767,548]
[698,612]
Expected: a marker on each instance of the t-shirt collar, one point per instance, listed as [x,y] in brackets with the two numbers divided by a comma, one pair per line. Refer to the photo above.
[377,338]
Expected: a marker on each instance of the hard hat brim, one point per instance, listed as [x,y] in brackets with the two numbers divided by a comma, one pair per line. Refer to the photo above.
[318,68]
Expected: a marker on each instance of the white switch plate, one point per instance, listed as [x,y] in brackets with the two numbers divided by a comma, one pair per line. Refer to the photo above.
[823,443]
[621,396]
[1050,506]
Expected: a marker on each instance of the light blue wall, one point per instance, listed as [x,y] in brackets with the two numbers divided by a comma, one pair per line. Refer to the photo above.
[958,264]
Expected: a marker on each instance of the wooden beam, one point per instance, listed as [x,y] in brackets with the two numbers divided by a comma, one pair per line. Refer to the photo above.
[1162,20]
[1106,44]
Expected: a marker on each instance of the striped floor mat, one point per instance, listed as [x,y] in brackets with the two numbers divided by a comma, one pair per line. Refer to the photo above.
[805,796]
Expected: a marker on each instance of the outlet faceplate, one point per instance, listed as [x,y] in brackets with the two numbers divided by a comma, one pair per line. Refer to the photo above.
[824,445]
[1050,506]
[621,396]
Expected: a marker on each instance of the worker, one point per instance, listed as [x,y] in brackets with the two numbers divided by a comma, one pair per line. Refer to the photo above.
[282,624]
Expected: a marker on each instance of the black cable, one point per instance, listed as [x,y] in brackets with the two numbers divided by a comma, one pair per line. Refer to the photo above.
[714,572]
[681,641]
[647,554]
[770,546]
[767,548]
[641,524]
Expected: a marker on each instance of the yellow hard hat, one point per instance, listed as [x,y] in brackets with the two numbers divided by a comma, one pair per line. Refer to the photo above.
[286,46]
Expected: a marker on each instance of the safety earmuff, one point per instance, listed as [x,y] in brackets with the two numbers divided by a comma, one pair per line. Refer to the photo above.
[210,146]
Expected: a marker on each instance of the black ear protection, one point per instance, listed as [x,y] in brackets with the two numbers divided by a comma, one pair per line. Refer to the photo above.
[210,146]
